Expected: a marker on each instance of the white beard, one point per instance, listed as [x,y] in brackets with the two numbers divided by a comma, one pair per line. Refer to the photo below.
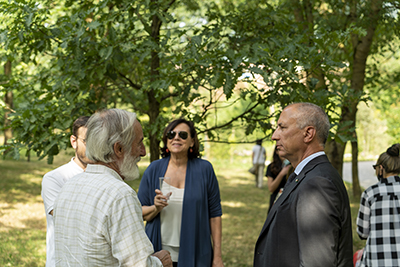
[128,168]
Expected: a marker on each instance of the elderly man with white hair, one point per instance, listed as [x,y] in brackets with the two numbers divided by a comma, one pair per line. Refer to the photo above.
[98,217]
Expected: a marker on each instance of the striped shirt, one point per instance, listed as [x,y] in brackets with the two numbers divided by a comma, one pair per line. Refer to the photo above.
[98,222]
[378,220]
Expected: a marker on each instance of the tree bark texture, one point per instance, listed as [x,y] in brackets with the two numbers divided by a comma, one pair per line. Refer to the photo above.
[154,103]
[354,169]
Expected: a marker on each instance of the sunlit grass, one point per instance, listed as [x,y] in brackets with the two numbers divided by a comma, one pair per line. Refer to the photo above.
[23,222]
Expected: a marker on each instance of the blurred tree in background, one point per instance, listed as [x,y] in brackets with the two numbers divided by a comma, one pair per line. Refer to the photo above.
[230,66]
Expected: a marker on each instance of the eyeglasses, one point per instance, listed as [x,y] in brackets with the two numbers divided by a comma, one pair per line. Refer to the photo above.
[375,165]
[182,134]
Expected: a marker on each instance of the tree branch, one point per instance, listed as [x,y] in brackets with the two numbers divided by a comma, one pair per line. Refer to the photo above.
[134,85]
[231,121]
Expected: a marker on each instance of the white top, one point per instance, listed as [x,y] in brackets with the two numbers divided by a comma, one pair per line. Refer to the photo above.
[98,222]
[52,183]
[258,159]
[171,218]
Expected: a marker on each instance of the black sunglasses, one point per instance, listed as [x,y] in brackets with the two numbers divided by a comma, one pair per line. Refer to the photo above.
[182,134]
[375,165]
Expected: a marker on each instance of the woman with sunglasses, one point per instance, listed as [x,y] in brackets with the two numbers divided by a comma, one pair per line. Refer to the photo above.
[378,218]
[184,222]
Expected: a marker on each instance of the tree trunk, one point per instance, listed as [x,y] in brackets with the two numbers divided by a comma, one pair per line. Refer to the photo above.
[335,151]
[361,50]
[354,168]
[154,104]
[8,100]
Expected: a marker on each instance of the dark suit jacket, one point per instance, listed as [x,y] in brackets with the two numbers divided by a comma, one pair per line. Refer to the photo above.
[310,223]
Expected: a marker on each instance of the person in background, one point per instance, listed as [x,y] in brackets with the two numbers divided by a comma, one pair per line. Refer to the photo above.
[54,180]
[258,159]
[98,217]
[378,218]
[310,223]
[277,172]
[183,224]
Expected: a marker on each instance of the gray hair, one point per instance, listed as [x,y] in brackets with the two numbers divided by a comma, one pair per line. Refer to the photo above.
[106,128]
[312,115]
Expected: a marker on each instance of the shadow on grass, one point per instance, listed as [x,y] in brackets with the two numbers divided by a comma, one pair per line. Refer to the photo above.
[244,212]
[20,183]
[21,180]
[23,247]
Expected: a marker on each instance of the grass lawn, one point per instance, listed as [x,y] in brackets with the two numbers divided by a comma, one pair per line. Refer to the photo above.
[23,222]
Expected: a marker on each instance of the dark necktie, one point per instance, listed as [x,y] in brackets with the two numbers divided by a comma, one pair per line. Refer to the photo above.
[292,176]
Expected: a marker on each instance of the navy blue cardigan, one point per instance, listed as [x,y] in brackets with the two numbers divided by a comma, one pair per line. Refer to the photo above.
[201,201]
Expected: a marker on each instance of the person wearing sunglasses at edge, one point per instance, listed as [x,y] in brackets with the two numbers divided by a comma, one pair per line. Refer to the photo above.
[188,220]
[378,218]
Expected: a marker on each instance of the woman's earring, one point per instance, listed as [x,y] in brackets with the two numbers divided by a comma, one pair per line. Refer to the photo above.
[191,150]
[167,150]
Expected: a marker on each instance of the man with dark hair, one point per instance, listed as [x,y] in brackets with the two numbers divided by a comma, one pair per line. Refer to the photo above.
[310,223]
[54,180]
[98,217]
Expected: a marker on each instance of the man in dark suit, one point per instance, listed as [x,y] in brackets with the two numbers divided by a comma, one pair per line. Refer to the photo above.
[310,223]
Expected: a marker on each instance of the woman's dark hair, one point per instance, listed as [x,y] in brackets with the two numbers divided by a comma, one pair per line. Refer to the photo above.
[196,146]
[276,165]
[390,160]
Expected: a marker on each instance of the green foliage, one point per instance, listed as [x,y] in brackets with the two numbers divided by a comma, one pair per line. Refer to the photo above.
[165,60]
[83,57]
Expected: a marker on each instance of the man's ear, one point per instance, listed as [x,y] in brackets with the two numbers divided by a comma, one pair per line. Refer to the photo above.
[73,141]
[309,134]
[118,150]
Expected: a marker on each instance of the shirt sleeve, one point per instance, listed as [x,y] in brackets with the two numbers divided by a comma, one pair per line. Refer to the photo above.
[50,190]
[129,242]
[363,217]
[214,199]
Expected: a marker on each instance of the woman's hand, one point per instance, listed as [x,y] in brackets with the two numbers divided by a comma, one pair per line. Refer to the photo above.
[217,262]
[273,184]
[160,201]
[285,170]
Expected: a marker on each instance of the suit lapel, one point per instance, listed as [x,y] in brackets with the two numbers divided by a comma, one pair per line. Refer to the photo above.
[288,190]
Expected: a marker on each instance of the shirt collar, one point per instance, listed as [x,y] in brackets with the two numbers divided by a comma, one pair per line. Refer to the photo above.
[98,168]
[304,162]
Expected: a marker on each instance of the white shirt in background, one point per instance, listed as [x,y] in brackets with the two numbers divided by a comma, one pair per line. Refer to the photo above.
[52,183]
[258,158]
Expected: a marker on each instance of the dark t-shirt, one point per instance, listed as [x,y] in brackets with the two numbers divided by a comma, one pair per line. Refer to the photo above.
[275,193]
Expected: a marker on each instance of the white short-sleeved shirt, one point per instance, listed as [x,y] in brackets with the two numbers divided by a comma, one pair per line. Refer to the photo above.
[52,183]
[258,158]
[99,222]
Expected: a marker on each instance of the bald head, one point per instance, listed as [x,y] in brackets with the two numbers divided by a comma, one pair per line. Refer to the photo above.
[308,114]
